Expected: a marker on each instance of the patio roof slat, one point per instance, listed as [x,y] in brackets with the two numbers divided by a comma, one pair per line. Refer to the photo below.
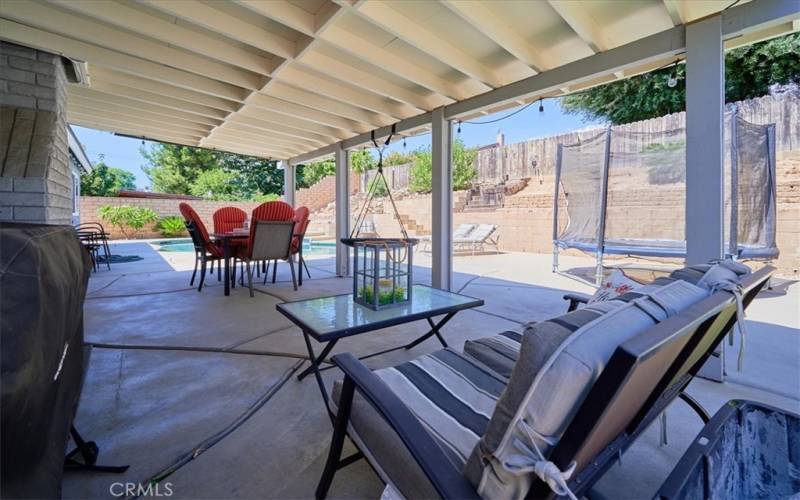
[82,29]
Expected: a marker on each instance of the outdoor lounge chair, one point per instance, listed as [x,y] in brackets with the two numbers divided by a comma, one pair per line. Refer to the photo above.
[419,447]
[461,232]
[478,239]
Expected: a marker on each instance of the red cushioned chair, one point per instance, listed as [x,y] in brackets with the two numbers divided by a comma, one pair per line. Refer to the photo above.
[205,249]
[226,219]
[271,211]
[301,222]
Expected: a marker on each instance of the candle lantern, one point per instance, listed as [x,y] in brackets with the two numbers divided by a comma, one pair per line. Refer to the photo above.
[382,267]
[382,272]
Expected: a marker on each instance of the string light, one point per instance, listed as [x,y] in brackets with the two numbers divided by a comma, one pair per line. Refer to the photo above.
[404,143]
[672,82]
[459,126]
[541,105]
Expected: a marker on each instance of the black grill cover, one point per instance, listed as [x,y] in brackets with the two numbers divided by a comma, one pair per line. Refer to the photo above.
[44,272]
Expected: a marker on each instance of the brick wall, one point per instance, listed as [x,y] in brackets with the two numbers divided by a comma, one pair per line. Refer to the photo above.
[322,193]
[162,207]
[35,177]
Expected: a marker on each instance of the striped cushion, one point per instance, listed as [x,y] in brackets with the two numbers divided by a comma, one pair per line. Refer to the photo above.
[500,352]
[451,394]
[226,219]
[572,350]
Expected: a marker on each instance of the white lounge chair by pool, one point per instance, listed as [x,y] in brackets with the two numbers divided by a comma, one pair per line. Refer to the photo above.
[478,239]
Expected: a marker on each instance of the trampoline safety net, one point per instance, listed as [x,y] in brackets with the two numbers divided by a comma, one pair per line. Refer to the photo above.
[623,191]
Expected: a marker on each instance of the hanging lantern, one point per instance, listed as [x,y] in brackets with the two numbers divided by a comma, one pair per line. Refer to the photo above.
[382,272]
[382,267]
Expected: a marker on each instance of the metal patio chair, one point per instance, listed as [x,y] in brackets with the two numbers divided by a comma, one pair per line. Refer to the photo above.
[640,379]
[269,240]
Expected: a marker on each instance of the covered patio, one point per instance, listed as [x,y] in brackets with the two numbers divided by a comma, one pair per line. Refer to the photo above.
[205,396]
[198,390]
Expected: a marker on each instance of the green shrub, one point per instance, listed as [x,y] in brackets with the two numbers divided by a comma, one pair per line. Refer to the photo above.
[263,198]
[171,226]
[463,168]
[129,220]
[380,187]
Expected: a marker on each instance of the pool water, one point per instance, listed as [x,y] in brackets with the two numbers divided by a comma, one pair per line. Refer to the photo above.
[310,247]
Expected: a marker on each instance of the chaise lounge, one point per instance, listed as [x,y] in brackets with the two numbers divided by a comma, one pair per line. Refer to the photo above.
[578,393]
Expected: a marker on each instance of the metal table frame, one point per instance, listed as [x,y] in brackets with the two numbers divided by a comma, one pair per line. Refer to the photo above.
[330,339]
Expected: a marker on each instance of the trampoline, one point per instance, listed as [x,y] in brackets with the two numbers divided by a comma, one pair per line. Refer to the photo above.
[623,192]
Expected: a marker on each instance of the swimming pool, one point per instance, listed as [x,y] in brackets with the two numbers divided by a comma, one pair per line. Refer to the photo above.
[310,247]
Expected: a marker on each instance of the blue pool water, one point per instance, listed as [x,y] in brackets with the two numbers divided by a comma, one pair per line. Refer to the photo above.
[310,247]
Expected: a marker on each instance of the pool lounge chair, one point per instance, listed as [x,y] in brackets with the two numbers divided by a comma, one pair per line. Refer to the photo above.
[461,232]
[477,240]
[413,444]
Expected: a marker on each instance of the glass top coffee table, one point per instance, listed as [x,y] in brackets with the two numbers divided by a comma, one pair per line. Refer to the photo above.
[328,319]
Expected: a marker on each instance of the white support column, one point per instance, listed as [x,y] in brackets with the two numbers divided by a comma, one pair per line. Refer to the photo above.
[442,198]
[288,182]
[705,101]
[342,210]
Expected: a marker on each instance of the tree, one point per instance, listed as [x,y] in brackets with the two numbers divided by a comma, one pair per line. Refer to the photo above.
[103,180]
[463,168]
[308,175]
[221,175]
[397,158]
[749,72]
[173,169]
[362,161]
[217,184]
[256,177]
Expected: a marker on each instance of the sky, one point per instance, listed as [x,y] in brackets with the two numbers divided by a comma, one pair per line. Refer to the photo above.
[123,152]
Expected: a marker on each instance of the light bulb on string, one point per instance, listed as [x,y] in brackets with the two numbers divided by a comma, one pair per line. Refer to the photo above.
[541,106]
[459,127]
[672,81]
[404,143]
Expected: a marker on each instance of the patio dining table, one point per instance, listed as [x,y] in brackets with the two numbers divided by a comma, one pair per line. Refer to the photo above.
[226,238]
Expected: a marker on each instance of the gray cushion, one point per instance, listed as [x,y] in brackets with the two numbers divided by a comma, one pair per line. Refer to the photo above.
[572,353]
[451,394]
[500,352]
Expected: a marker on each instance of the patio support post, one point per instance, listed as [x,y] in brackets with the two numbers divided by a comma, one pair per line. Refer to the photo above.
[342,210]
[288,182]
[442,200]
[705,101]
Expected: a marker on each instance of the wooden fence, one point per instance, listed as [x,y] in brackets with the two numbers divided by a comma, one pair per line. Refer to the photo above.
[537,157]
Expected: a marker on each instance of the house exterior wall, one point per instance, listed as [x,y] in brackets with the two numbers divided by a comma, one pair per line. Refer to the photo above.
[36,183]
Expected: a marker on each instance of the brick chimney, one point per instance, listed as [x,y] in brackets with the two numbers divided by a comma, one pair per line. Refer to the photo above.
[36,184]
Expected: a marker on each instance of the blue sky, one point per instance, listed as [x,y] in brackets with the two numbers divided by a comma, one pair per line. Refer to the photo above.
[123,152]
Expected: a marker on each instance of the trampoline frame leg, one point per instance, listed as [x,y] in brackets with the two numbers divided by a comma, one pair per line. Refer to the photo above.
[598,274]
[555,258]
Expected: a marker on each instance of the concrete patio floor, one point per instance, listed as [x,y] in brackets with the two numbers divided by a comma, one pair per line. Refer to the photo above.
[234,425]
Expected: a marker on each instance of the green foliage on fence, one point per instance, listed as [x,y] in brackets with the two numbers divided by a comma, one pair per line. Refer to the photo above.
[171,227]
[129,220]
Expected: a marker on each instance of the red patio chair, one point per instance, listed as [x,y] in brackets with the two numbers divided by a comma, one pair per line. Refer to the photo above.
[226,219]
[205,249]
[301,222]
[273,211]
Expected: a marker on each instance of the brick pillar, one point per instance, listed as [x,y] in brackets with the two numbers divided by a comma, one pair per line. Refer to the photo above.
[35,178]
